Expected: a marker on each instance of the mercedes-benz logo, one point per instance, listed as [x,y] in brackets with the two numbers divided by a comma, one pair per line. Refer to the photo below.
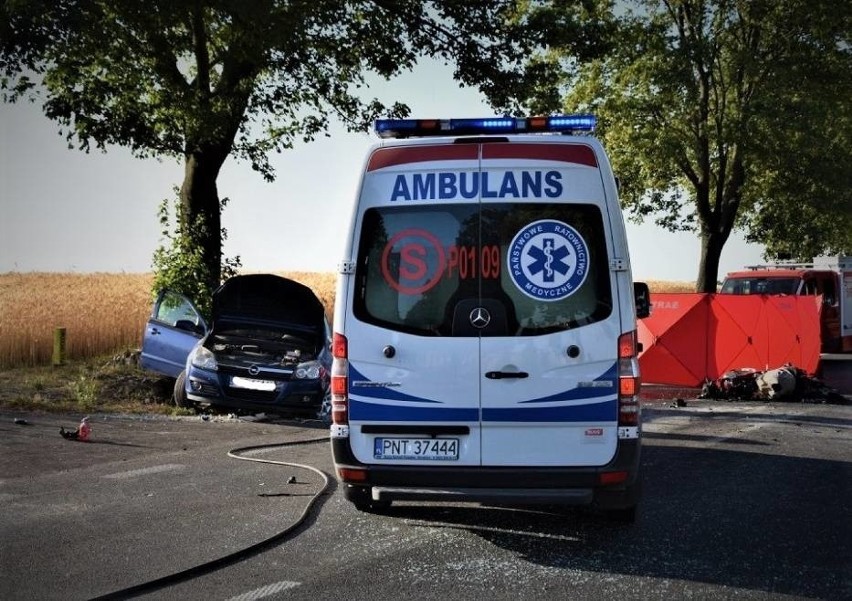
[254,370]
[479,318]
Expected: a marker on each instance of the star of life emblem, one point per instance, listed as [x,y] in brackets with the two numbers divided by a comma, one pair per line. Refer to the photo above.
[548,260]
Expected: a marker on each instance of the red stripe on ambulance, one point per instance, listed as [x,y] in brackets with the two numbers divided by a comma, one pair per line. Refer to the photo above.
[565,153]
[388,157]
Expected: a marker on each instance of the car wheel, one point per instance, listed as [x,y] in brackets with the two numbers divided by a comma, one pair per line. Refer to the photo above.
[179,394]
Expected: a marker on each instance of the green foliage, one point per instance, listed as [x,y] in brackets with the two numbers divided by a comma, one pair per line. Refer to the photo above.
[170,78]
[802,198]
[718,114]
[179,263]
[84,391]
[202,80]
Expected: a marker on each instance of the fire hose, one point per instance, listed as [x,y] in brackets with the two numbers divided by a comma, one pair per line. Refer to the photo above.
[242,554]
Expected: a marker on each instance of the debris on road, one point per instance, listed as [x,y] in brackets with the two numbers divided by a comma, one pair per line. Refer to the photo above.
[81,433]
[786,383]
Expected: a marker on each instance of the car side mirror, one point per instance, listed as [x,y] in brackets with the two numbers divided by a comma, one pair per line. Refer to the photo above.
[189,326]
[642,299]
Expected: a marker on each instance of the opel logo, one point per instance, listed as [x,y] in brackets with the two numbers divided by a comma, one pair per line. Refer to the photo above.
[254,370]
[479,318]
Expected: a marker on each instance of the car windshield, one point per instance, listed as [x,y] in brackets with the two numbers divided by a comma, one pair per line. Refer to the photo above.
[760,285]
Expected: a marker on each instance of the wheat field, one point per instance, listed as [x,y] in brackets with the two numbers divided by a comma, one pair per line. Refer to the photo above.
[104,313]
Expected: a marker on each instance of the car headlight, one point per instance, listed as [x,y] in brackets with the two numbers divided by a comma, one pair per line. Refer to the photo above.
[203,358]
[311,370]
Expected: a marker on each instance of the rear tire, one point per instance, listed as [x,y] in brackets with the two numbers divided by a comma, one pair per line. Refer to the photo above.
[362,498]
[179,394]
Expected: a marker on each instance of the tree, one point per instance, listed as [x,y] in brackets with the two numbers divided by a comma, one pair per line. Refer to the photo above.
[717,114]
[802,201]
[202,80]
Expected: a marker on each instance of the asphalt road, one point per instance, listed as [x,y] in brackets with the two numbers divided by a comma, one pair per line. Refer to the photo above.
[742,500]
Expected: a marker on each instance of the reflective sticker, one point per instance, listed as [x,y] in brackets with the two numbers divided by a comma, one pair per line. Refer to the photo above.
[595,436]
[548,260]
[628,432]
[338,431]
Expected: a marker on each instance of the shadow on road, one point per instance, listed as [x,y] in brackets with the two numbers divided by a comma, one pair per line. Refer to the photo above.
[744,520]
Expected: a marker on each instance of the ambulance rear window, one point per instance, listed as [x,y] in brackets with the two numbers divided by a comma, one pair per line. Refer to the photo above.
[535,268]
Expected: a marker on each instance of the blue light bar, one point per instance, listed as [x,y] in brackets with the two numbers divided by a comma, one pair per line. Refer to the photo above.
[483,125]
[411,128]
[572,122]
[383,125]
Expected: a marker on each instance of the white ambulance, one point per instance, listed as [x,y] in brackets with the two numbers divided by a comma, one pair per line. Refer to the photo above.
[484,338]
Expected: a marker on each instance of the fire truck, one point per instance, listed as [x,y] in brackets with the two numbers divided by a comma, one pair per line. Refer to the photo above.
[828,277]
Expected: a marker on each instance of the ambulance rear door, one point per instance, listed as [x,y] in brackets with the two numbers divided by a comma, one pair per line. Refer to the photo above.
[548,379]
[413,379]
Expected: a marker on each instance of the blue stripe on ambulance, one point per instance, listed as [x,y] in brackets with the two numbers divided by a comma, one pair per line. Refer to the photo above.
[599,411]
[605,411]
[361,411]
[368,389]
[607,385]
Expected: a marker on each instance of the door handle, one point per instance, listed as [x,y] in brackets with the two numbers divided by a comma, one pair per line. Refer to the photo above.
[499,375]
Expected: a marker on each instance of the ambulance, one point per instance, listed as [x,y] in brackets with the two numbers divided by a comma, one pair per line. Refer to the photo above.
[484,339]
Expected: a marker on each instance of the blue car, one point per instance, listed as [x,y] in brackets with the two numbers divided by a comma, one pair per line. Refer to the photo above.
[267,347]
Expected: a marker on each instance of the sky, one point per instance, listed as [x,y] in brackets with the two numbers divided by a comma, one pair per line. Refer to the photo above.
[64,210]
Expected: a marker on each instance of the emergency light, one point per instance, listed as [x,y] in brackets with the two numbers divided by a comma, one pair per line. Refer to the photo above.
[409,128]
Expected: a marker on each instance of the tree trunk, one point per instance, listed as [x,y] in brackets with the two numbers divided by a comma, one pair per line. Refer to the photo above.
[201,209]
[708,267]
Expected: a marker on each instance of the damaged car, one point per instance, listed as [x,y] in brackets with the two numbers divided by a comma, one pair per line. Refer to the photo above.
[267,347]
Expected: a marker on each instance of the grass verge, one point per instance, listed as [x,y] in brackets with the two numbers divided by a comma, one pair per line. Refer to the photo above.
[113,384]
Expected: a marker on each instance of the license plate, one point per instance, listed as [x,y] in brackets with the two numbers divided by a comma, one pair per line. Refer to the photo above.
[252,384]
[427,449]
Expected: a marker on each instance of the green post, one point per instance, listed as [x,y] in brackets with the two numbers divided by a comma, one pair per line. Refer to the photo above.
[58,346]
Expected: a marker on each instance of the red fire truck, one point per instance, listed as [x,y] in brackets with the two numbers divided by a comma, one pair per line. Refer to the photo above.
[829,277]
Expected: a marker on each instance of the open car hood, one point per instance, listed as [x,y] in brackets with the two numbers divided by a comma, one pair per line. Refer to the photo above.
[267,298]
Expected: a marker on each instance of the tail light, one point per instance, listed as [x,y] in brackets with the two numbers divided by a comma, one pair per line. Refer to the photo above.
[340,380]
[628,381]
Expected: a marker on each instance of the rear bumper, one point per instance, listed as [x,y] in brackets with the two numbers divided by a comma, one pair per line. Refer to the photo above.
[519,496]
[483,484]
